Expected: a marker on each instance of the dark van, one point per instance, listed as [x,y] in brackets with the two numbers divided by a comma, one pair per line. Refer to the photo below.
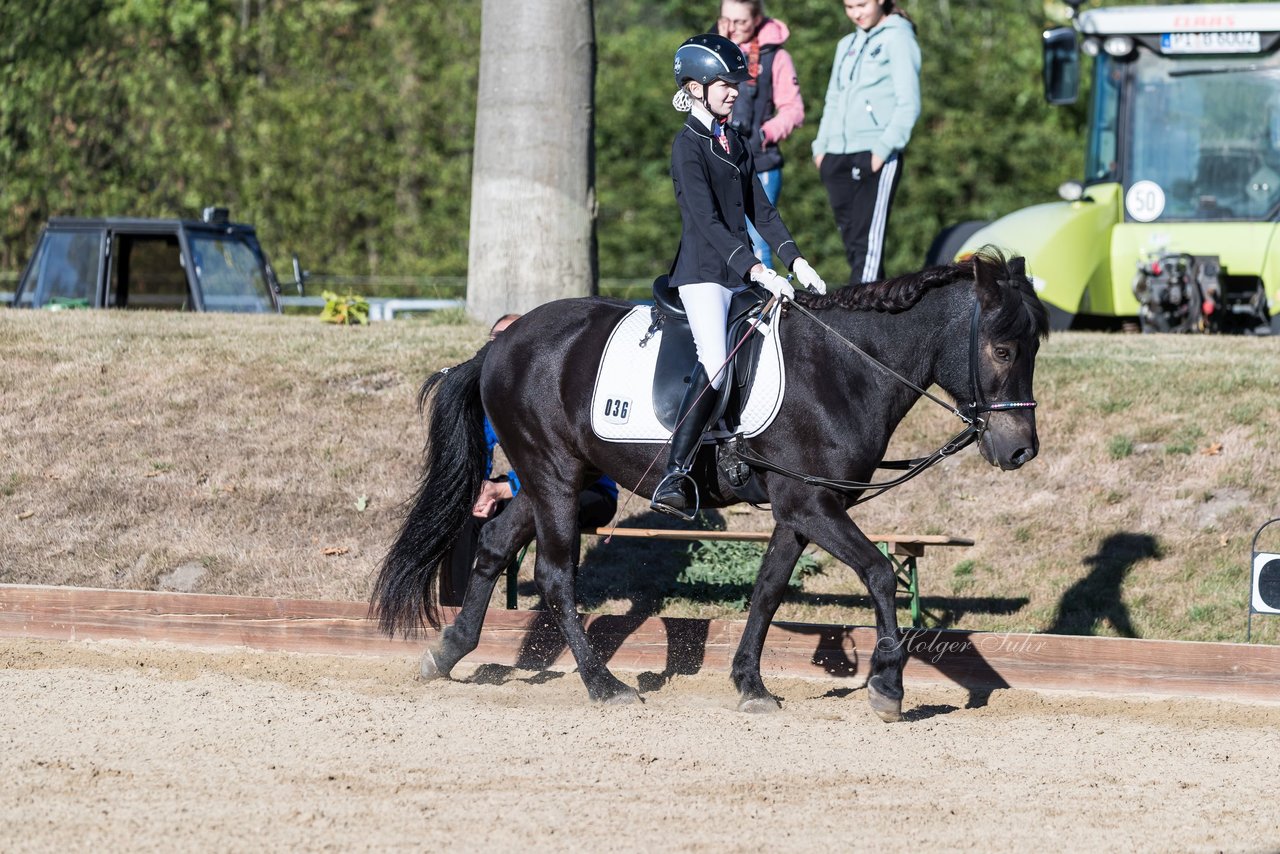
[165,264]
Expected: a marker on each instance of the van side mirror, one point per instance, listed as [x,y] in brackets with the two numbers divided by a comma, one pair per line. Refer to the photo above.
[1061,66]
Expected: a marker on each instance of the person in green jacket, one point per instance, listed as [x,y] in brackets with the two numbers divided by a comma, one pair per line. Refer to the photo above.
[873,101]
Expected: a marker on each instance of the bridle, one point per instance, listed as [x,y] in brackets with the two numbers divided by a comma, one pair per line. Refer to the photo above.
[973,414]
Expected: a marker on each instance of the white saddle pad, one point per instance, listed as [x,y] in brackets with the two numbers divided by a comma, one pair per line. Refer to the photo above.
[622,405]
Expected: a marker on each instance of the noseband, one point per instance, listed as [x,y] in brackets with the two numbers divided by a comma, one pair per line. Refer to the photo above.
[973,414]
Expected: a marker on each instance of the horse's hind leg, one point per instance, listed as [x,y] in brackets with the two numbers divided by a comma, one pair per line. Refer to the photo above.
[557,523]
[771,585]
[500,540]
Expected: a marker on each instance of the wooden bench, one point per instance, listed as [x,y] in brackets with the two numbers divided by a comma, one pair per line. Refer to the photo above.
[903,551]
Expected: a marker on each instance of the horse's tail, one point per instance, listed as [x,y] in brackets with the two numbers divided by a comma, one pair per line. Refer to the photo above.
[456,458]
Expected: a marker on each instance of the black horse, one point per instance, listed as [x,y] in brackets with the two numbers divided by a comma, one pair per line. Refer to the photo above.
[973,328]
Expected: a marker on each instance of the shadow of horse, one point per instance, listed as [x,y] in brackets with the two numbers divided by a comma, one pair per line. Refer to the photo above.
[1097,596]
[645,572]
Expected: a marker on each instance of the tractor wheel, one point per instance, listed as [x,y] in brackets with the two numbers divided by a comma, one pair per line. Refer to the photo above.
[947,244]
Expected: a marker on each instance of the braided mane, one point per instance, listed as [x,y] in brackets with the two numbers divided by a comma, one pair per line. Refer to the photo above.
[901,292]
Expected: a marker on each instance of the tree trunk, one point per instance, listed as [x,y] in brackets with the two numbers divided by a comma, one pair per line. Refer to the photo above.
[533,205]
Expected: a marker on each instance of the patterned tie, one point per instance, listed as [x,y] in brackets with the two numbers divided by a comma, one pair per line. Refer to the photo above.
[717,130]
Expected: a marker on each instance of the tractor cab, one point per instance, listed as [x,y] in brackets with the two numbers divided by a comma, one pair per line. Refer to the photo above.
[1174,222]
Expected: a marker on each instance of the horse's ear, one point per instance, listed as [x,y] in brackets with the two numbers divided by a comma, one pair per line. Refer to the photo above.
[1018,266]
[984,276]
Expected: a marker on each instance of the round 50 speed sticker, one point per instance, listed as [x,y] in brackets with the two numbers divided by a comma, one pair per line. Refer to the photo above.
[1144,201]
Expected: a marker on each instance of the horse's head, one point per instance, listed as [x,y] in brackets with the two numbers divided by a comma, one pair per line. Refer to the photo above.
[1007,324]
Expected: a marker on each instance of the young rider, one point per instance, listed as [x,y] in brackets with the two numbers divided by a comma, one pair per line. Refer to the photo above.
[716,189]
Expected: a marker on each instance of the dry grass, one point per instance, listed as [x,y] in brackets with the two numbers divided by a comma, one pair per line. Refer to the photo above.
[238,450]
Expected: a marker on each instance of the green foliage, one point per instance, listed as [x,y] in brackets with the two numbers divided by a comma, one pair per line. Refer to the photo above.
[348,310]
[344,130]
[1120,447]
[727,569]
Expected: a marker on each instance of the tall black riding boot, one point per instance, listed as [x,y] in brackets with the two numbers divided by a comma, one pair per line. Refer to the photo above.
[696,408]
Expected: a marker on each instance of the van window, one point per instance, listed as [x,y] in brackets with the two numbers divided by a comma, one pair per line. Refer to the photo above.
[231,272]
[147,273]
[65,270]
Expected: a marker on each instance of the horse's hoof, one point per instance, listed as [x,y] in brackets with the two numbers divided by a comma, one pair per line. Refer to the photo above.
[624,696]
[428,670]
[758,705]
[887,709]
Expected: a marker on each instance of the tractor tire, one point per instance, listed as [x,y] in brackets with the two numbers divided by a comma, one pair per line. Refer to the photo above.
[948,242]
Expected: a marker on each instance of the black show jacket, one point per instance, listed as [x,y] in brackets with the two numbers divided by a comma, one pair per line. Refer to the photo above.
[714,191]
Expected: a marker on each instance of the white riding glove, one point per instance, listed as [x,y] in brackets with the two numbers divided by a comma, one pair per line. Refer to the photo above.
[808,277]
[773,283]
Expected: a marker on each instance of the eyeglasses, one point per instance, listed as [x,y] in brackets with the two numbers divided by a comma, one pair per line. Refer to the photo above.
[725,23]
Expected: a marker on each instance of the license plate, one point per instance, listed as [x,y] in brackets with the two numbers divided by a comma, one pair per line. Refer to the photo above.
[1211,43]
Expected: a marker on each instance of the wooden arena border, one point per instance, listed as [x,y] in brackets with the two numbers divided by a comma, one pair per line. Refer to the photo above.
[977,661]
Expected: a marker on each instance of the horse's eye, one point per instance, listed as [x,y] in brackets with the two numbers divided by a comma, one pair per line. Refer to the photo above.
[1004,354]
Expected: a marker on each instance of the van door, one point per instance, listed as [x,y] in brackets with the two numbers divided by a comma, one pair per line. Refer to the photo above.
[147,273]
[65,271]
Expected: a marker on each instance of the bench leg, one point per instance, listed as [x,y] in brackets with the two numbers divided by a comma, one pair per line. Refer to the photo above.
[908,579]
[513,570]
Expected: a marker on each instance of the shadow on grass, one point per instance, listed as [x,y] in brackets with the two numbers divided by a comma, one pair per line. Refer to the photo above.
[1097,596]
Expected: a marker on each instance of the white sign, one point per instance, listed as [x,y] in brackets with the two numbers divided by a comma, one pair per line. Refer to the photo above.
[1211,42]
[1144,201]
[617,410]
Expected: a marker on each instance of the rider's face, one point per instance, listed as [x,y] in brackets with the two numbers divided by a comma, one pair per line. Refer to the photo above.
[720,98]
[865,14]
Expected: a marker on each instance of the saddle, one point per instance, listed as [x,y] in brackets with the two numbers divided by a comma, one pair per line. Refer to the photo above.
[677,355]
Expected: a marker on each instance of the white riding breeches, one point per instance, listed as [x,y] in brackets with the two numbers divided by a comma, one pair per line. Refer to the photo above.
[707,306]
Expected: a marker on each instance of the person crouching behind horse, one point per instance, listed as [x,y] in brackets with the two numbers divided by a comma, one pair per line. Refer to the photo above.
[716,190]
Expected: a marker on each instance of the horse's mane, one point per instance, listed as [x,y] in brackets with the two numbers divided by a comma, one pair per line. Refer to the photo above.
[1002,285]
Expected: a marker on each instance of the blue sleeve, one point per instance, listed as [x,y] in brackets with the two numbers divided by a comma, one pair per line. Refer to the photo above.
[607,484]
[491,439]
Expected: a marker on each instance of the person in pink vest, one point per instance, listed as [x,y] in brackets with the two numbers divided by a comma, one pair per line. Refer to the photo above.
[769,105]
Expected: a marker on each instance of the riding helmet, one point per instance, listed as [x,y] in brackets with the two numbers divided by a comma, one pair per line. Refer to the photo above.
[709,57]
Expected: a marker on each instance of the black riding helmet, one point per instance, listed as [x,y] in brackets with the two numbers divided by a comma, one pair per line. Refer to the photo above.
[709,57]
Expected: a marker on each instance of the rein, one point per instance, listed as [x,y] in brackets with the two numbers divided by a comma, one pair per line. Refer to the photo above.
[972,414]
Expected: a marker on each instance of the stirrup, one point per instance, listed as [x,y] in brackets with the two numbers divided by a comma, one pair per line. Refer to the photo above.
[678,475]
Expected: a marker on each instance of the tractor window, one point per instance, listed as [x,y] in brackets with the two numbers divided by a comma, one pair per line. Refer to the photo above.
[1102,161]
[232,274]
[1202,132]
[147,273]
[64,271]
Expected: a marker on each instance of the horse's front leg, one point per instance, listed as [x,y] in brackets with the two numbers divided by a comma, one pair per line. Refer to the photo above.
[500,540]
[771,585]
[554,571]
[831,528]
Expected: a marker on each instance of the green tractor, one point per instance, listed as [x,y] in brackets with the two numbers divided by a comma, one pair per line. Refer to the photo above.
[1174,226]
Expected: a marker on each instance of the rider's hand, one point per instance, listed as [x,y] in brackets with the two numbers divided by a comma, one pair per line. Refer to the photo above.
[771,281]
[808,277]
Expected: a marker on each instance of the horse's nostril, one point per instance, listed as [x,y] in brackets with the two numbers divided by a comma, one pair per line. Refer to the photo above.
[1024,455]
